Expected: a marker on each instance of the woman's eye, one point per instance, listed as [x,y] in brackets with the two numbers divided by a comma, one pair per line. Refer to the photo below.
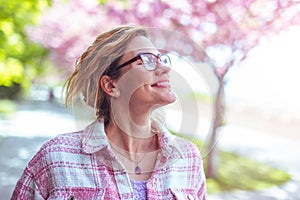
[140,63]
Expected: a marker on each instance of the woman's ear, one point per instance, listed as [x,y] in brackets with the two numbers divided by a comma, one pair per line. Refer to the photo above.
[109,86]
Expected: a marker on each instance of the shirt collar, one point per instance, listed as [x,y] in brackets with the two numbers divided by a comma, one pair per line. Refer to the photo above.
[94,139]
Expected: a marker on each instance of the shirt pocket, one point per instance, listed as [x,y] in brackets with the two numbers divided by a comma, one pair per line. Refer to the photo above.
[184,194]
[77,194]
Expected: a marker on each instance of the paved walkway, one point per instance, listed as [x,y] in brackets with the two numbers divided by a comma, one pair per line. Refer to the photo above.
[22,134]
[36,122]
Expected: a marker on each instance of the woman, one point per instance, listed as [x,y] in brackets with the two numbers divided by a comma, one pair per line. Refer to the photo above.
[125,153]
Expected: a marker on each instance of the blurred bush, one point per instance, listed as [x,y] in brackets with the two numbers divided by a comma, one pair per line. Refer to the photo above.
[20,59]
[6,107]
[12,91]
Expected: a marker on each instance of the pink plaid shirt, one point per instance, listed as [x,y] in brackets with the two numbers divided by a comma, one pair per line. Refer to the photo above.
[81,165]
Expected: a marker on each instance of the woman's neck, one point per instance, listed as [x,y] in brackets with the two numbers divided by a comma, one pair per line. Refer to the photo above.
[131,138]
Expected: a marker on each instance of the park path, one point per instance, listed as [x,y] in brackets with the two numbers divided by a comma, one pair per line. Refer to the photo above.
[35,122]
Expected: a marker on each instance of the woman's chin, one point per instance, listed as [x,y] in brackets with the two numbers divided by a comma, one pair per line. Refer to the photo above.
[167,98]
[171,99]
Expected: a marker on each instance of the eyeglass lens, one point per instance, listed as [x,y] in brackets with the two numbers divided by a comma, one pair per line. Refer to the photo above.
[150,61]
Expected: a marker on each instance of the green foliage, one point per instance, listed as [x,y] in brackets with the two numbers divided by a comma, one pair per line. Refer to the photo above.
[240,173]
[102,2]
[202,97]
[13,91]
[7,107]
[11,71]
[18,55]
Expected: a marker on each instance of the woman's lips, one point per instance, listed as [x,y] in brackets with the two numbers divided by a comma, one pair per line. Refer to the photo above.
[161,84]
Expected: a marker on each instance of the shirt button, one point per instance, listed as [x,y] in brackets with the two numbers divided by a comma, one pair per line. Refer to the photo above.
[163,159]
[190,197]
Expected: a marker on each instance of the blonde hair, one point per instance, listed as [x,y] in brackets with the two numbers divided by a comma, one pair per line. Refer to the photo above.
[100,58]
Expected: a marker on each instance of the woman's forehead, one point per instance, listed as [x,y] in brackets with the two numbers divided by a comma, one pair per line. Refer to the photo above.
[140,44]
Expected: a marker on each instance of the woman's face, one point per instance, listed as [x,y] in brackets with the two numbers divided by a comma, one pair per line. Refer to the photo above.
[137,85]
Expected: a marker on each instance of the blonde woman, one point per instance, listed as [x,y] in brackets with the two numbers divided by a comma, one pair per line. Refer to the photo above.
[125,153]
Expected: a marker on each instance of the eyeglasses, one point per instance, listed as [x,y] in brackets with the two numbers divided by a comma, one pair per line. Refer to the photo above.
[149,60]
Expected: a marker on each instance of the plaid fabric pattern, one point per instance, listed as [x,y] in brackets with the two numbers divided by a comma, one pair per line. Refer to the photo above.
[81,165]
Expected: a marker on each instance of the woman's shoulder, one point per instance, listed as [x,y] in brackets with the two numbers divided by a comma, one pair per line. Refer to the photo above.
[72,139]
[62,144]
[185,147]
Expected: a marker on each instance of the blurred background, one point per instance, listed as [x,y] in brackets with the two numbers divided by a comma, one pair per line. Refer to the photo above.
[245,54]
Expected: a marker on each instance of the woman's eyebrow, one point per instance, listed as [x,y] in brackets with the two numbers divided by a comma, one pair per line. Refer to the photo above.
[156,53]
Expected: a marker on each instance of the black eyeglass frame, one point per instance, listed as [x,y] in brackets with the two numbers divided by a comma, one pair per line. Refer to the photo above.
[139,56]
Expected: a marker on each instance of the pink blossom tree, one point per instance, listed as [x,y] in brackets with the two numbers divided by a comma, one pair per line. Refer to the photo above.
[227,31]
[68,27]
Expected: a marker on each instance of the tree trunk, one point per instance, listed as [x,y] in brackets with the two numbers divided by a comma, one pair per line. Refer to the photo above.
[212,164]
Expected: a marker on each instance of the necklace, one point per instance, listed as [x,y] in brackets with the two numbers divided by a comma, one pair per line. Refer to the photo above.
[137,168]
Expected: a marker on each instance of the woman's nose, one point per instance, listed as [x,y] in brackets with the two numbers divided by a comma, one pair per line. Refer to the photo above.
[162,69]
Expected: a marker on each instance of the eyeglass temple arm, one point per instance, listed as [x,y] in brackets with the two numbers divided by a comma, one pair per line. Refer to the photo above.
[128,62]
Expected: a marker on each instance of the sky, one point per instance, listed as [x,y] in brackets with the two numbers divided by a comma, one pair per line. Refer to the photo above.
[269,77]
